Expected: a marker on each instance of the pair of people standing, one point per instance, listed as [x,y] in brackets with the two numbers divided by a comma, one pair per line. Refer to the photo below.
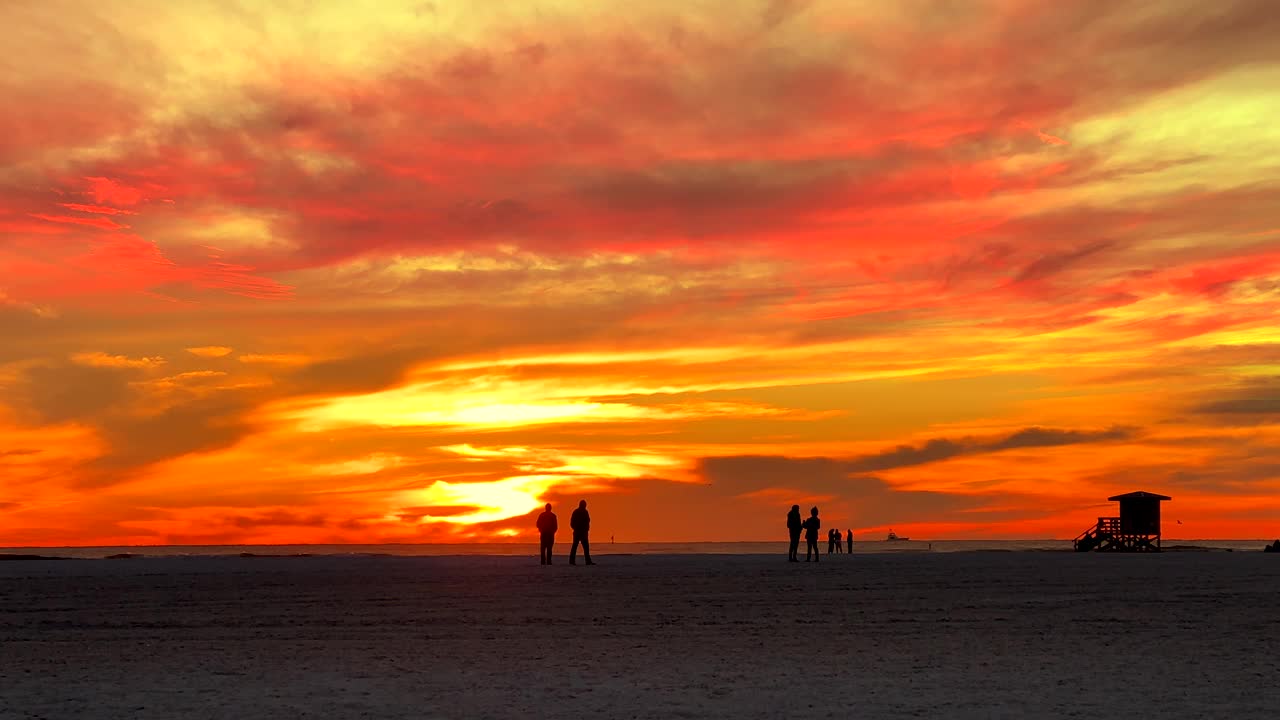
[810,527]
[834,544]
[835,541]
[579,523]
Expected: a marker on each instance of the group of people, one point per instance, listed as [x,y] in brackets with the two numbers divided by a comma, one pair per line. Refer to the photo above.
[810,526]
[579,523]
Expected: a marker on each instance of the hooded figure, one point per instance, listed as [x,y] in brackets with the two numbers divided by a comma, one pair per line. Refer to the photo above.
[811,527]
[580,523]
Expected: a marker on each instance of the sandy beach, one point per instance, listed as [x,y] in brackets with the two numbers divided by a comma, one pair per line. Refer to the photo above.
[960,635]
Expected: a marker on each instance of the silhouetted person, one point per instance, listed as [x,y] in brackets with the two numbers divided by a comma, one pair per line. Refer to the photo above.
[580,523]
[547,526]
[832,543]
[793,529]
[811,527]
[850,541]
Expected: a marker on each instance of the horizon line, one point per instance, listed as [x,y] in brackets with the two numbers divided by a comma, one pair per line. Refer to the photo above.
[629,542]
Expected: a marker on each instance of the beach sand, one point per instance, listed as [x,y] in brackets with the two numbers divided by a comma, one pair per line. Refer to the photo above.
[960,635]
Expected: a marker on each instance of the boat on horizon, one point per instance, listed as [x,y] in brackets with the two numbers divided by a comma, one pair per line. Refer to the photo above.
[893,537]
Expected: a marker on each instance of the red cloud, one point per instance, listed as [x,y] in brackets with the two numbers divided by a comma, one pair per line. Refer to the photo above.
[98,209]
[636,141]
[111,192]
[97,222]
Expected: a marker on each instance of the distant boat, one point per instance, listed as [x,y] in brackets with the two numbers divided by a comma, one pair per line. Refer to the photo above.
[893,536]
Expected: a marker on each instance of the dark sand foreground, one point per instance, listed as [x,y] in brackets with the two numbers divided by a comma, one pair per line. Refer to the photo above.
[961,635]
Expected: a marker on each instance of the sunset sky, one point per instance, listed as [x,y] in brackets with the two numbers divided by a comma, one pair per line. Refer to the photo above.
[402,271]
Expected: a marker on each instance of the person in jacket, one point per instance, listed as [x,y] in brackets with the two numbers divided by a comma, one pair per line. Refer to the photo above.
[793,529]
[547,526]
[811,527]
[580,523]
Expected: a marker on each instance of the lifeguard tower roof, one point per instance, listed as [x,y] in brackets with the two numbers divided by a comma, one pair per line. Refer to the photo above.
[1140,495]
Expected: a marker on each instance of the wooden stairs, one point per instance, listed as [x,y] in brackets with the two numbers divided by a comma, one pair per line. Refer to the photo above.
[1107,536]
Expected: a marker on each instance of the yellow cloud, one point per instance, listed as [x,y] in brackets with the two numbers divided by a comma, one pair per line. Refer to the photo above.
[368,465]
[101,359]
[630,463]
[492,501]
[279,359]
[210,351]
[498,401]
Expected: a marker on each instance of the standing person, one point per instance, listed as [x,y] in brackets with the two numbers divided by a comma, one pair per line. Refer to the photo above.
[811,527]
[831,541]
[580,523]
[793,529]
[850,541]
[547,526]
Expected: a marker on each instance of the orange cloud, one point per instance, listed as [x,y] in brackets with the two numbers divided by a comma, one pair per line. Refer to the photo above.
[1048,139]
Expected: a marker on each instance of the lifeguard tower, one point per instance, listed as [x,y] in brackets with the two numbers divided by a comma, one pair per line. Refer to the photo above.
[1136,530]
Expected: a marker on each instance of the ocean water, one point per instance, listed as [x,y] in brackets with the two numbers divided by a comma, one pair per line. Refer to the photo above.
[599,548]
